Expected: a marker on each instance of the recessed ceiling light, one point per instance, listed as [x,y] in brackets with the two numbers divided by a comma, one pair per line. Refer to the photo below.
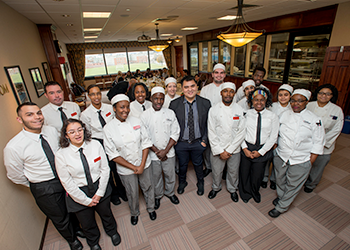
[189,28]
[90,37]
[170,34]
[92,29]
[65,15]
[69,24]
[96,14]
[127,9]
[227,18]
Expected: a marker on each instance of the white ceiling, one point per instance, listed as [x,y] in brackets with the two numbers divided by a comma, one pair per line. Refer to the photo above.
[118,27]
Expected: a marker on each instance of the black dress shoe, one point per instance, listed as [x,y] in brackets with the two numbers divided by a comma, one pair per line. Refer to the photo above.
[116,201]
[75,245]
[273,185]
[174,199]
[200,190]
[124,197]
[153,215]
[134,220]
[234,197]
[116,239]
[206,172]
[96,247]
[257,199]
[212,194]
[275,201]
[308,190]
[80,233]
[181,188]
[264,184]
[274,213]
[156,203]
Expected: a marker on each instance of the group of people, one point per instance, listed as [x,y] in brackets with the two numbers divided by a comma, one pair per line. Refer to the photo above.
[108,152]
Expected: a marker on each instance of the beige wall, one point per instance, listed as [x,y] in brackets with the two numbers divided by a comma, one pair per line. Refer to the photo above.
[21,222]
[341,28]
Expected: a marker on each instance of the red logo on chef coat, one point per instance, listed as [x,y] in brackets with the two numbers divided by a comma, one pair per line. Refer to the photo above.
[97,159]
[108,114]
[137,127]
[74,114]
[236,118]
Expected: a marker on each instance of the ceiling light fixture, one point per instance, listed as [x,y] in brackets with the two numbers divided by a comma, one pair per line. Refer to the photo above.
[177,39]
[166,34]
[242,33]
[92,29]
[65,15]
[189,28]
[159,47]
[226,18]
[90,37]
[69,24]
[96,14]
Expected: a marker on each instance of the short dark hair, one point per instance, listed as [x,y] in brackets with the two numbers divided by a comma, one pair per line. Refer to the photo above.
[268,99]
[134,87]
[187,79]
[51,83]
[64,142]
[92,86]
[25,104]
[259,69]
[328,86]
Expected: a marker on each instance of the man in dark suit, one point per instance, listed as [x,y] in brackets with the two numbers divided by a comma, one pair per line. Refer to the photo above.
[192,114]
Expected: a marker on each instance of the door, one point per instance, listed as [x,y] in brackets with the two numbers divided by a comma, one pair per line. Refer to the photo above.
[179,58]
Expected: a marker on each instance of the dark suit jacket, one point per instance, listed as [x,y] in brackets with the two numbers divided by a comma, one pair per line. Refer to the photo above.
[203,106]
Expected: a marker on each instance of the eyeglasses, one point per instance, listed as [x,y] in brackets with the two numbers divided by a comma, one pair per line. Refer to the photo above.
[326,94]
[73,132]
[297,101]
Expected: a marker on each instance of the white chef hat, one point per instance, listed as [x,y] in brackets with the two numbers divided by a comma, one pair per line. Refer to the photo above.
[229,85]
[169,80]
[119,97]
[157,90]
[248,83]
[303,92]
[219,66]
[287,87]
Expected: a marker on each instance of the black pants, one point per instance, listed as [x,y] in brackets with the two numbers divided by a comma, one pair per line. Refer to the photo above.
[184,152]
[87,220]
[118,189]
[50,198]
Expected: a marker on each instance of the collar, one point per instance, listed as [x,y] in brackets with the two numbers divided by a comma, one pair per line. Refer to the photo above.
[33,136]
[76,149]
[55,107]
[95,109]
[261,112]
[185,100]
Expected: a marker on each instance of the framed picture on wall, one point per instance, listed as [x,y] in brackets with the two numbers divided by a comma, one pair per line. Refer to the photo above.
[47,71]
[17,83]
[37,80]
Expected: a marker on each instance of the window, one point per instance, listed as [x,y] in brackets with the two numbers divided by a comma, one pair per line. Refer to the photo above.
[204,57]
[225,55]
[138,60]
[94,65]
[256,58]
[116,60]
[239,64]
[194,58]
[215,52]
[278,54]
[157,60]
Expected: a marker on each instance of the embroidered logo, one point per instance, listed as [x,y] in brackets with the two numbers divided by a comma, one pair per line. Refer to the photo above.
[97,159]
[108,114]
[74,114]
[319,123]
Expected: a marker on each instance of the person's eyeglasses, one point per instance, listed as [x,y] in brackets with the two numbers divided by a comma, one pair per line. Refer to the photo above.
[323,93]
[297,101]
[73,132]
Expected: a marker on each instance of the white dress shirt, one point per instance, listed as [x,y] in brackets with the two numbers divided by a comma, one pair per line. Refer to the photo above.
[300,134]
[269,129]
[168,99]
[226,128]
[278,109]
[332,117]
[90,117]
[212,93]
[71,172]
[161,126]
[127,140]
[244,104]
[136,108]
[240,93]
[25,159]
[53,116]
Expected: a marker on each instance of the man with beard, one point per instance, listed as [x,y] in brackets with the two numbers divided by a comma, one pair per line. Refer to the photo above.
[226,131]
[30,161]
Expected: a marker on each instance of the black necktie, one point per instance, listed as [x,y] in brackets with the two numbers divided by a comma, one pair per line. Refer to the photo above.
[63,115]
[102,121]
[191,135]
[143,107]
[258,130]
[87,173]
[49,154]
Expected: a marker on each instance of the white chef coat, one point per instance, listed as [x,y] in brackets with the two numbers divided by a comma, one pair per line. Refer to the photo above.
[168,99]
[212,93]
[332,117]
[53,116]
[90,117]
[226,128]
[136,108]
[127,140]
[71,172]
[300,134]
[240,93]
[161,126]
[278,109]
[25,159]
[244,104]
[269,129]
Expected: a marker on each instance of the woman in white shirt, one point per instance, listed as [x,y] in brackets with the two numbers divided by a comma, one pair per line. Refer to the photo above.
[127,143]
[83,170]
[248,86]
[140,93]
[171,86]
[261,135]
[323,105]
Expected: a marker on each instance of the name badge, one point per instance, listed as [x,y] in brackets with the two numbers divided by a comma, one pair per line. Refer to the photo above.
[108,114]
[137,127]
[74,114]
[97,159]
[236,118]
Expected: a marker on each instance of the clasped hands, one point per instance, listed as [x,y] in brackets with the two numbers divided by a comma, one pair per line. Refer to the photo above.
[251,154]
[94,200]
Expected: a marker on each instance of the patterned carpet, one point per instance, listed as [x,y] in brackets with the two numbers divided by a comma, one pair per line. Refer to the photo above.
[319,220]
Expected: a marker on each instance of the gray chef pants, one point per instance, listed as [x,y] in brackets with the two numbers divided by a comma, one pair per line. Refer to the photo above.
[316,172]
[168,168]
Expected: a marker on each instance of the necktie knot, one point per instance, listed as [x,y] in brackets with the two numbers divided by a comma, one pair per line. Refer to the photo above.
[143,107]
[63,115]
